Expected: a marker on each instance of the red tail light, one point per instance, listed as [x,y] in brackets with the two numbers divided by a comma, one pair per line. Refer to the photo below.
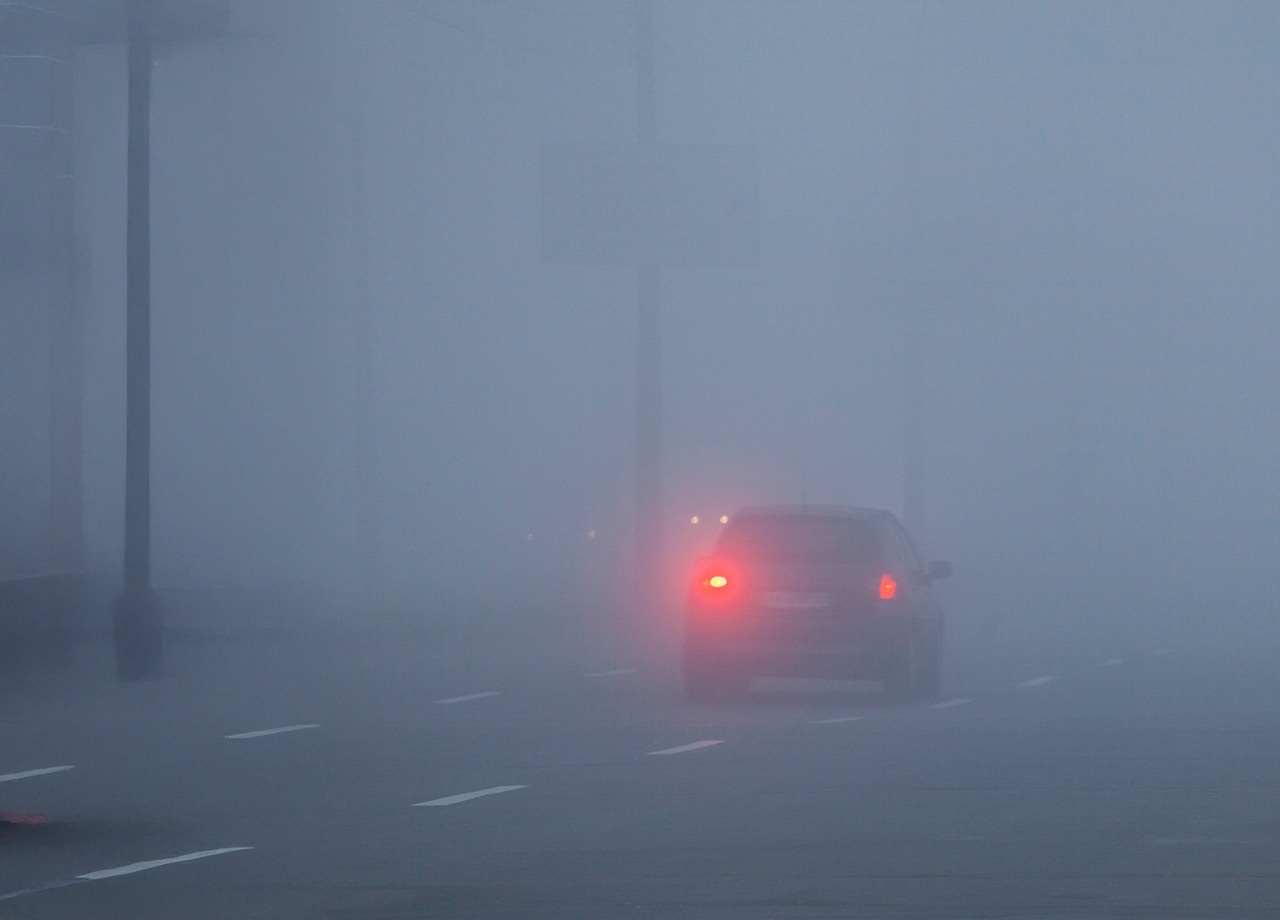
[717,583]
[888,587]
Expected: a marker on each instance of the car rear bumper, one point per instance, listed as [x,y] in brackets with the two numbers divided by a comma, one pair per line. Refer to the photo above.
[853,647]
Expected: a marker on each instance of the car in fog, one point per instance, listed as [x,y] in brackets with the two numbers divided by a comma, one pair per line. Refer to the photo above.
[805,591]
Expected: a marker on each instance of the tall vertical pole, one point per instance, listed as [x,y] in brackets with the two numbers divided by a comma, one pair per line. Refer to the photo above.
[649,503]
[913,471]
[65,473]
[362,511]
[137,617]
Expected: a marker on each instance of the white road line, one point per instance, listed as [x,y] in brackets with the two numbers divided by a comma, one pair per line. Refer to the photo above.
[1112,662]
[155,863]
[684,747]
[1039,681]
[468,796]
[23,892]
[470,696]
[617,673]
[958,701]
[273,731]
[1177,841]
[26,774]
[834,721]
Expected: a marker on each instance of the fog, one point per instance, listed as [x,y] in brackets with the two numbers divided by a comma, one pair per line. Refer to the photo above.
[1057,221]
[418,270]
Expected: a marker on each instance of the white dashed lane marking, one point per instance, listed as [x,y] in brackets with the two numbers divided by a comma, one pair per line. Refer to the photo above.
[155,864]
[449,701]
[959,701]
[834,721]
[468,796]
[1039,681]
[1113,662]
[27,774]
[262,733]
[684,747]
[120,870]
[617,673]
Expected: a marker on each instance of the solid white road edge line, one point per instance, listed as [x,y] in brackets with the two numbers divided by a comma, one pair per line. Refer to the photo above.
[468,796]
[834,721]
[154,863]
[958,701]
[1039,681]
[684,747]
[449,701]
[274,731]
[617,673]
[27,774]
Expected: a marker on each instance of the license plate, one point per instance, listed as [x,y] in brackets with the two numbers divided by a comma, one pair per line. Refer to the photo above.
[796,600]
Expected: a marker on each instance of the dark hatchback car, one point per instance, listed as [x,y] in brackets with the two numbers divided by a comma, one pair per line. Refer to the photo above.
[809,591]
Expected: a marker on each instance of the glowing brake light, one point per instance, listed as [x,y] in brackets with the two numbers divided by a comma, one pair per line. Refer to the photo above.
[888,587]
[718,584]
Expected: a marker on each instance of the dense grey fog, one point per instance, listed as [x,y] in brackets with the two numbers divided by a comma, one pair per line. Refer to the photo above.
[1058,221]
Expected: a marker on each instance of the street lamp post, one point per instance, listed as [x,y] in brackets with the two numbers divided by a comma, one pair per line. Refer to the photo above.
[649,473]
[137,621]
[136,618]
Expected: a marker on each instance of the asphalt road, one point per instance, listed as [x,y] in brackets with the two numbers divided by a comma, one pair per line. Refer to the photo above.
[1128,782]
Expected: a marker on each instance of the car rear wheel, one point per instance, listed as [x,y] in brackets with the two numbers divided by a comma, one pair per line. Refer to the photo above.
[699,684]
[902,676]
[735,685]
[931,675]
[705,685]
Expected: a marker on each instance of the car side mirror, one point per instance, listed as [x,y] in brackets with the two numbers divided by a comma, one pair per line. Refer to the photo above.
[939,569]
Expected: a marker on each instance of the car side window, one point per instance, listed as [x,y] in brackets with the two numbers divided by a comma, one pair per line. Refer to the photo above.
[895,553]
[903,553]
[913,557]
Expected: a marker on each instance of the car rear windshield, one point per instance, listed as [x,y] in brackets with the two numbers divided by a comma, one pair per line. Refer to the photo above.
[802,538]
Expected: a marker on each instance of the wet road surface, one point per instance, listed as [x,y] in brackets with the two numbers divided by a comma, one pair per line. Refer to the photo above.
[344,777]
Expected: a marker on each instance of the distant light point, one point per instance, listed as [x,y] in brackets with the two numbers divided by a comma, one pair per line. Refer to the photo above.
[529,536]
[724,519]
[591,534]
[693,520]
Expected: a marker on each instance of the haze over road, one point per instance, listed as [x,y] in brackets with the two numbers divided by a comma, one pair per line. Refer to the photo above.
[377,372]
[1051,788]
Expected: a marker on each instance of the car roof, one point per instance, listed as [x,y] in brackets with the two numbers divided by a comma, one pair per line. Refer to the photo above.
[835,511]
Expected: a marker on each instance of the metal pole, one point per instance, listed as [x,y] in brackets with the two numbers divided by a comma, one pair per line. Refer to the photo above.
[913,327]
[646,112]
[362,511]
[649,504]
[649,499]
[137,617]
[65,474]
[66,489]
